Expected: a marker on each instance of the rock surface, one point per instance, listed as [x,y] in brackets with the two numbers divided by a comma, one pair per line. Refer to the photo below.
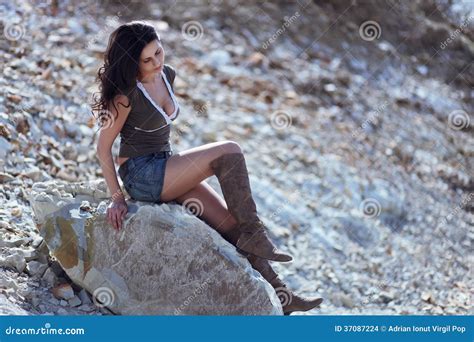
[163,261]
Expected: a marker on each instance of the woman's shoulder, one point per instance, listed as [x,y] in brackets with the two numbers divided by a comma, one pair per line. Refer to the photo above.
[170,72]
[131,93]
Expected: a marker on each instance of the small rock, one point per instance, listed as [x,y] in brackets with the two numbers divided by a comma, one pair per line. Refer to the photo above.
[86,307]
[346,300]
[25,292]
[37,241]
[16,211]
[62,311]
[14,243]
[386,297]
[62,302]
[35,268]
[16,261]
[35,301]
[49,277]
[28,253]
[74,301]
[84,297]
[7,282]
[34,173]
[427,297]
[5,148]
[5,177]
[85,206]
[53,301]
[63,291]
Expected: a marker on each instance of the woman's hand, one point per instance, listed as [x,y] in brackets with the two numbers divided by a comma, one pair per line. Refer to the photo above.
[116,212]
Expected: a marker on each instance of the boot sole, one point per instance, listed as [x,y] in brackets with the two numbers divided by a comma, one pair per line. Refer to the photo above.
[287,313]
[272,258]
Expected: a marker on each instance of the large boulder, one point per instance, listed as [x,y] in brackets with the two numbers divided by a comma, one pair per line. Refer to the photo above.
[164,261]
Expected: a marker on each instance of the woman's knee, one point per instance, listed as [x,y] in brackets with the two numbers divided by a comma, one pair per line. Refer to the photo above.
[230,146]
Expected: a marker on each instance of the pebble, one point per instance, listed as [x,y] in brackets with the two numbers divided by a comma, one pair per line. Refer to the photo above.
[49,277]
[5,177]
[15,260]
[16,212]
[74,301]
[84,297]
[63,291]
[35,268]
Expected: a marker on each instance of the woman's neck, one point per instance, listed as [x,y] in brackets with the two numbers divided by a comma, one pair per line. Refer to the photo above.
[148,79]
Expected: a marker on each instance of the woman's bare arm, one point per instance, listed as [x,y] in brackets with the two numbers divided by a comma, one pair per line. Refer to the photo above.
[107,135]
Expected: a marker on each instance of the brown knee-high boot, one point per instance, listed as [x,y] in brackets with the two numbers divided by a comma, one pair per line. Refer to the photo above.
[231,171]
[290,302]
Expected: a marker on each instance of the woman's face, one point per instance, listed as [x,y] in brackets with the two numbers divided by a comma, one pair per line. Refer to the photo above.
[151,59]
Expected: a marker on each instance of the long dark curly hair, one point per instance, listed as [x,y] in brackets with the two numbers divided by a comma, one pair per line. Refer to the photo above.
[118,74]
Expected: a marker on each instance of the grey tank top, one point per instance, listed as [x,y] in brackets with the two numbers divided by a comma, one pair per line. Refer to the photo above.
[148,127]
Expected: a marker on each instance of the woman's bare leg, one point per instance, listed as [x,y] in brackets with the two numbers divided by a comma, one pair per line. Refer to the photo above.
[185,170]
[209,206]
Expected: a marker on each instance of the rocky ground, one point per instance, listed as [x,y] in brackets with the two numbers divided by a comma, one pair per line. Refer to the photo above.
[358,137]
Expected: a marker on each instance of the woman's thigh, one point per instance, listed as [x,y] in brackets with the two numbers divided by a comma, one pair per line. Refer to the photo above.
[185,170]
[204,202]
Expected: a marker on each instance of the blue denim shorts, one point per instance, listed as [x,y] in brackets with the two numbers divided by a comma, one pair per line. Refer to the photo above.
[143,176]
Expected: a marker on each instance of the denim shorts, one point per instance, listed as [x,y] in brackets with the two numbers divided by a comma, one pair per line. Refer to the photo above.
[143,176]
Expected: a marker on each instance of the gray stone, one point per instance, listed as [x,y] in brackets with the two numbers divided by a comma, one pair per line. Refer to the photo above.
[164,260]
[35,301]
[35,268]
[5,147]
[75,301]
[49,277]
[15,260]
[8,308]
[7,282]
[84,297]
[62,311]
[37,240]
[86,307]
[53,301]
[63,291]
[28,253]
[16,242]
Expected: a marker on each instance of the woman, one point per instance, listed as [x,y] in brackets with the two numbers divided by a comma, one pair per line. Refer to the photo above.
[137,100]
